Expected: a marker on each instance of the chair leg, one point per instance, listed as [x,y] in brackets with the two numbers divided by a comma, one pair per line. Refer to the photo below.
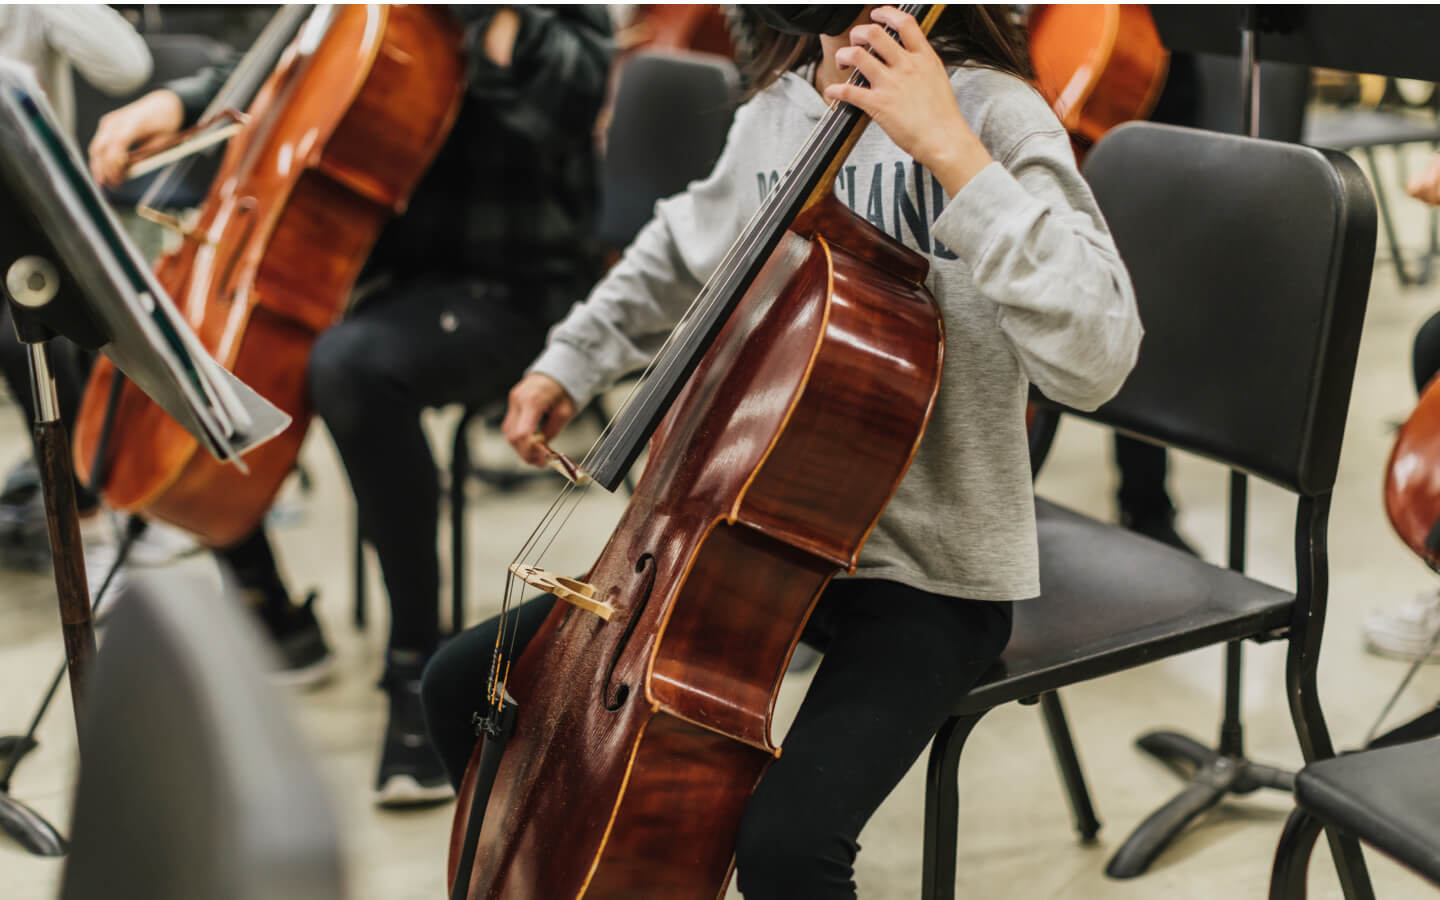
[1063,746]
[359,577]
[1386,219]
[460,468]
[942,808]
[1292,856]
[1315,744]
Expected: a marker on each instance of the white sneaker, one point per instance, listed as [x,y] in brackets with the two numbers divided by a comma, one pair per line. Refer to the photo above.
[1405,631]
[101,548]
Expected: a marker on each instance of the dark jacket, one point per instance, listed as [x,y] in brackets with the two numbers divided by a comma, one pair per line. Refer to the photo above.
[514,192]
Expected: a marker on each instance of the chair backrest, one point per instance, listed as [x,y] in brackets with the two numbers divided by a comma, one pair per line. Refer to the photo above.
[193,783]
[1251,262]
[672,111]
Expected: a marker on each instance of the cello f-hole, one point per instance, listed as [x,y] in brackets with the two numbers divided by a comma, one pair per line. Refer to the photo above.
[616,696]
[245,211]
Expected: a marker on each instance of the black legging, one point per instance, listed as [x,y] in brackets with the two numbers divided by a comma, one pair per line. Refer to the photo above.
[897,660]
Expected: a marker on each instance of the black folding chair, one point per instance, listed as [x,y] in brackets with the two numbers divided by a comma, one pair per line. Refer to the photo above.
[1387,797]
[194,783]
[1251,261]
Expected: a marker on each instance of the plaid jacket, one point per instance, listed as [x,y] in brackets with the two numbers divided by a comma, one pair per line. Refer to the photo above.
[514,193]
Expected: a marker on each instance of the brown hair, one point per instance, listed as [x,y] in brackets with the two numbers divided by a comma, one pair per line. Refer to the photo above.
[972,35]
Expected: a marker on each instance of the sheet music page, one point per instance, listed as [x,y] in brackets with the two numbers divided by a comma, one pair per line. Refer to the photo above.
[149,340]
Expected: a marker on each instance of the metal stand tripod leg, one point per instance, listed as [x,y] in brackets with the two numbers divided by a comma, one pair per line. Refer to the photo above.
[57,481]
[52,450]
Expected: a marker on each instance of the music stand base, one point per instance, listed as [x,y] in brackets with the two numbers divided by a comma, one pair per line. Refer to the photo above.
[1216,775]
[29,828]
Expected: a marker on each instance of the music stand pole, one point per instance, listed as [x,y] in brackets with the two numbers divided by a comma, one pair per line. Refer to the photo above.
[31,282]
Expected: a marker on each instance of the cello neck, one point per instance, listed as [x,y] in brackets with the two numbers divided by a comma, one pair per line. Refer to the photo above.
[809,178]
[239,89]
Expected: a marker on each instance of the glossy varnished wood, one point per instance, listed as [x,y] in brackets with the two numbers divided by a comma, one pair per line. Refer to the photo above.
[763,481]
[72,591]
[337,141]
[1412,478]
[1099,65]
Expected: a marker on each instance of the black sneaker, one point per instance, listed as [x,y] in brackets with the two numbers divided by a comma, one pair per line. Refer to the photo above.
[305,658]
[411,773]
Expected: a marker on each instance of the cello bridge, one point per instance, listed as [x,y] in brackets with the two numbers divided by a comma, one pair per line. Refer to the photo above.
[571,590]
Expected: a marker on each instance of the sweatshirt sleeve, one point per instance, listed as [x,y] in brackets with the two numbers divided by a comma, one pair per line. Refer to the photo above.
[100,44]
[1038,248]
[628,315]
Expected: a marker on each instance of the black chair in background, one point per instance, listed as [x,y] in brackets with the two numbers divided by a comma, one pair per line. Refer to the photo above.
[1251,261]
[1388,797]
[194,783]
[1284,96]
[671,113]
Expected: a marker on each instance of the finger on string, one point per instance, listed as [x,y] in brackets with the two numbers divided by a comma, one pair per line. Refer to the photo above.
[903,23]
[869,65]
[853,94]
[875,40]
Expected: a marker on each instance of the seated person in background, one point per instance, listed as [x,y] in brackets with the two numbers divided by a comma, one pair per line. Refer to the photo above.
[460,290]
[1405,630]
[54,41]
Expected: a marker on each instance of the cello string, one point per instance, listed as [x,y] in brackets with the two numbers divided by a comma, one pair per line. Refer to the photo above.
[760,222]
[720,287]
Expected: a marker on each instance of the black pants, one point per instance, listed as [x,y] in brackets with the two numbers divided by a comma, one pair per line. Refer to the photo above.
[419,343]
[897,660]
[1142,495]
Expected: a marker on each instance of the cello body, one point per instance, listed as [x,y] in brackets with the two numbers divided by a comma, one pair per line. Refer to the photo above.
[638,741]
[337,139]
[1412,478]
[1099,65]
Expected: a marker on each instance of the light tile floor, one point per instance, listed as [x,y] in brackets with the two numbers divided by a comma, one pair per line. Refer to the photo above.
[1017,839]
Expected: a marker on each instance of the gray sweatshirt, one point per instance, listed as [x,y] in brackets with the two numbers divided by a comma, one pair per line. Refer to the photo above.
[1022,265]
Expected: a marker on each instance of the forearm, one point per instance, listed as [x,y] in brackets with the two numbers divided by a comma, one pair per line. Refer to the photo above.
[1064,298]
[198,90]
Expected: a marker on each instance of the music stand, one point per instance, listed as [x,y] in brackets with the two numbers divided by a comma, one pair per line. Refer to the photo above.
[1390,40]
[68,269]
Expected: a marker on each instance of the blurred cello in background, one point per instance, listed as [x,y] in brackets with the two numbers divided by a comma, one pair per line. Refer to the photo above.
[1099,65]
[332,146]
[1412,478]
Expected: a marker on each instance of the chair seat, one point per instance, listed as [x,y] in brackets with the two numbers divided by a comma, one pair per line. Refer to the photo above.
[1355,128]
[1389,798]
[1111,600]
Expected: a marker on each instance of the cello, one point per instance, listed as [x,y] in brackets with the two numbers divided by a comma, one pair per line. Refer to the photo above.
[1100,65]
[621,747]
[1412,478]
[332,147]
